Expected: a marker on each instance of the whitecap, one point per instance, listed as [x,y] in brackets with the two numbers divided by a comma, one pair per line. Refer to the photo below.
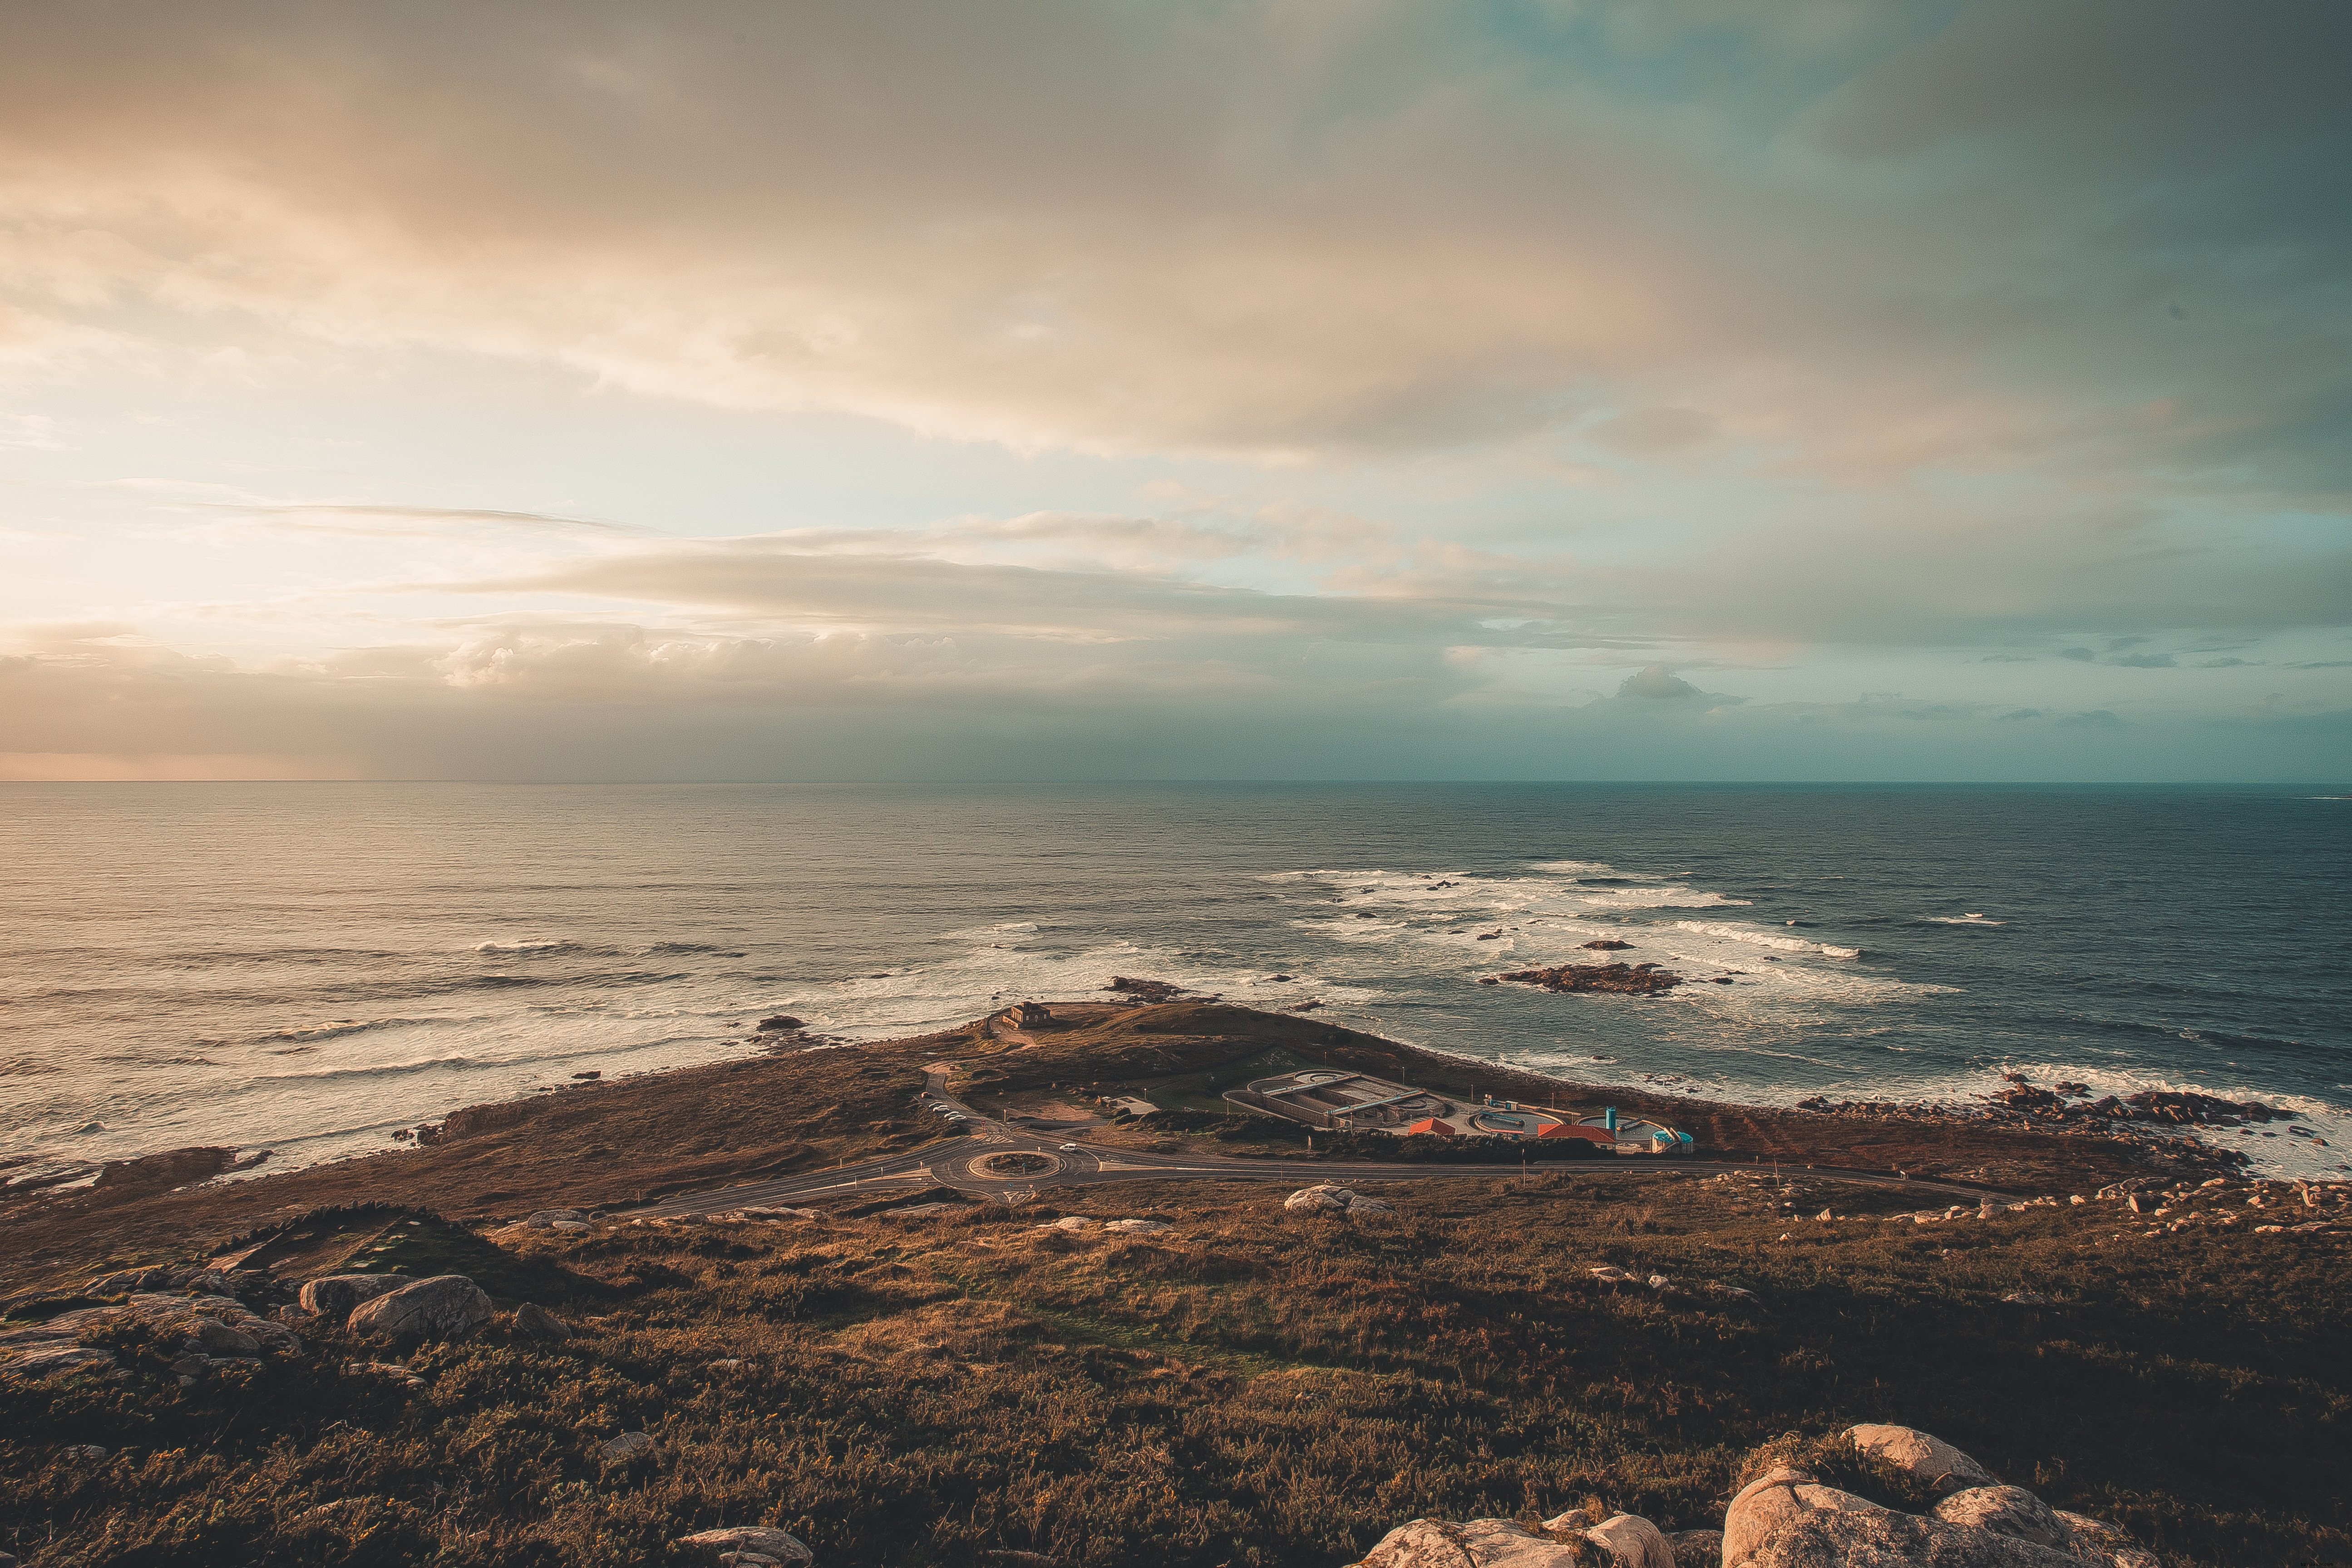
[1662,899]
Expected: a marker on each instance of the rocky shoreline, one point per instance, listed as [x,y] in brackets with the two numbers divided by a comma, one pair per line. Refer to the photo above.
[2163,1122]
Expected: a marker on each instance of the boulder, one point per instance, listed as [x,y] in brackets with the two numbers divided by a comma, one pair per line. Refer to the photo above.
[1136,1226]
[1696,1548]
[1925,1459]
[1330,1200]
[445,1307]
[1786,1519]
[546,1217]
[53,1360]
[1632,1541]
[1320,1200]
[217,1339]
[2006,1510]
[540,1323]
[753,1540]
[335,1295]
[625,1447]
[1480,1543]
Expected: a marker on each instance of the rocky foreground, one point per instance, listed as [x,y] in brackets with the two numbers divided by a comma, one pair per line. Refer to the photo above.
[1786,1516]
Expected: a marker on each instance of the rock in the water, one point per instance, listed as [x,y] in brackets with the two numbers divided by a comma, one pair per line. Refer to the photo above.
[1696,1548]
[1619,979]
[1921,1457]
[445,1307]
[546,1217]
[627,1446]
[540,1323]
[1632,1541]
[1480,1543]
[335,1295]
[758,1540]
[2006,1510]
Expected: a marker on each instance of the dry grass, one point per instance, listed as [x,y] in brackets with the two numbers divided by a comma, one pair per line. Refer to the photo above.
[1245,1388]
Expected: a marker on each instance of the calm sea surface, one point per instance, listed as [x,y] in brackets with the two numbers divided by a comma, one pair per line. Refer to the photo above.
[305,967]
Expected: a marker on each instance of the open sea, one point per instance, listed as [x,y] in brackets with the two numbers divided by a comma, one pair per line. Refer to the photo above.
[307,967]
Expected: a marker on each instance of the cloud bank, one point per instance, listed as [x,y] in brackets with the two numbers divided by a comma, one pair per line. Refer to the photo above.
[1629,388]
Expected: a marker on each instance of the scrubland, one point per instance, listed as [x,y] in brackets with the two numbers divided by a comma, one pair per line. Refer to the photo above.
[1245,1387]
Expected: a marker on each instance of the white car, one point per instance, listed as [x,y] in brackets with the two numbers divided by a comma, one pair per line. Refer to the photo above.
[1069,1148]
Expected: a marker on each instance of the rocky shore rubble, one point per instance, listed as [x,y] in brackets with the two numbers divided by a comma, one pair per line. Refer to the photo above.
[1786,1517]
[2062,1104]
[1617,979]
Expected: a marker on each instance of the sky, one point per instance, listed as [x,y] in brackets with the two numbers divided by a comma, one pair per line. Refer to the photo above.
[1350,389]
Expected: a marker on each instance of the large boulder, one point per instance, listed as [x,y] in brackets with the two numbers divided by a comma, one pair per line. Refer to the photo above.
[761,1541]
[1480,1543]
[2007,1510]
[334,1295]
[445,1307]
[1786,1519]
[1927,1459]
[1338,1202]
[1632,1541]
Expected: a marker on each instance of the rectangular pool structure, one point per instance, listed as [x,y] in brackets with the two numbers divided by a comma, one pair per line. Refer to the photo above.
[1342,1101]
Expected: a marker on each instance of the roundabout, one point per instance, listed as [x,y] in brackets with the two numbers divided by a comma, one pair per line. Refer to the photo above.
[1012,1164]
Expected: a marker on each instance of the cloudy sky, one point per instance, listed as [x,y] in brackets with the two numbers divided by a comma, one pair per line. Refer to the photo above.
[1560,388]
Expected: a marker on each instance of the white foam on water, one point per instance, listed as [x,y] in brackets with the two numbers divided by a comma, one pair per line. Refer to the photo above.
[1660,898]
[549,945]
[1963,921]
[1748,934]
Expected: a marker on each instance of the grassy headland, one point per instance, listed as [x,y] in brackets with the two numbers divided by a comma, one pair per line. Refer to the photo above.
[1244,1387]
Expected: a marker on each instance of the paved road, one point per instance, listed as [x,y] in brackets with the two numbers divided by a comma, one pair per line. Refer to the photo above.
[987,1163]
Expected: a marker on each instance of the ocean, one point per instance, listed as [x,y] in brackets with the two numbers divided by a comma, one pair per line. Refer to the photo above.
[306,968]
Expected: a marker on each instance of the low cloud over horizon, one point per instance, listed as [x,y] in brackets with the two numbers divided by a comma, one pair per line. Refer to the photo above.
[1553,389]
